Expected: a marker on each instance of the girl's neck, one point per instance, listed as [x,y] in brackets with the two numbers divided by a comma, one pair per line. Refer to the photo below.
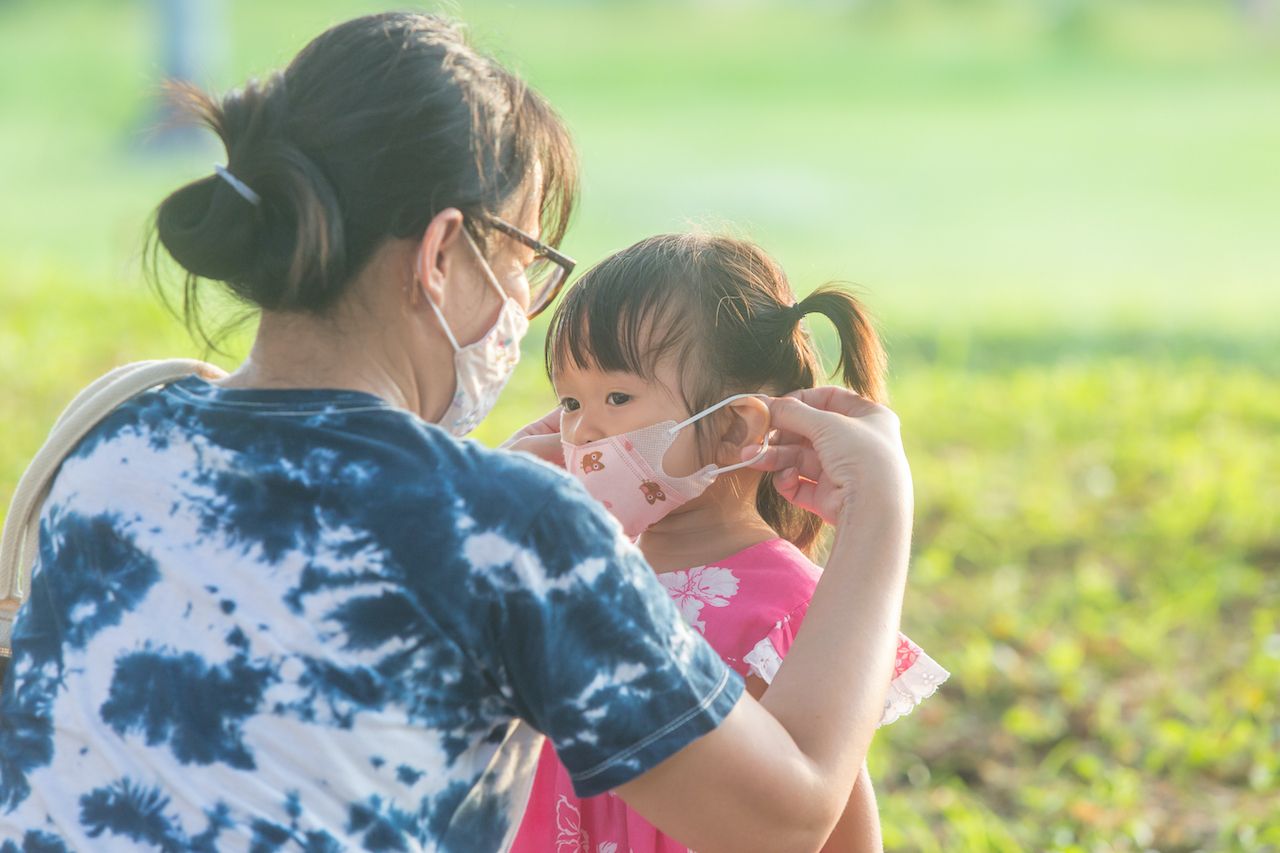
[719,523]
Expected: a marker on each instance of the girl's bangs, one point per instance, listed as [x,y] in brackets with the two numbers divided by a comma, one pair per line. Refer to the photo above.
[618,321]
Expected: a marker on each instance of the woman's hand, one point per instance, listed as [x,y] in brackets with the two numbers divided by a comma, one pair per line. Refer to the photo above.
[540,438]
[836,452]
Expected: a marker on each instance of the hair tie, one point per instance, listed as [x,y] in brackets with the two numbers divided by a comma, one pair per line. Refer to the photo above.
[796,311]
[241,188]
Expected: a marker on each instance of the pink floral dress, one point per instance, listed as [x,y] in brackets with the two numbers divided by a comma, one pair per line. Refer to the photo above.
[749,606]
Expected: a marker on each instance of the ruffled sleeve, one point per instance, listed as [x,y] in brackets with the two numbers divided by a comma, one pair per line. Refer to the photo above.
[916,676]
[766,655]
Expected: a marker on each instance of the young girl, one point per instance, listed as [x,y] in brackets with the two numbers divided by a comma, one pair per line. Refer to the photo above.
[659,356]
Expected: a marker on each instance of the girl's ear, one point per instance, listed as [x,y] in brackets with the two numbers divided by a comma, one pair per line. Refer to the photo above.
[746,423]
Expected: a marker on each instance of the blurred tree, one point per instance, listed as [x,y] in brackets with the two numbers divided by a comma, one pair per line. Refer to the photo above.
[192,39]
[1262,14]
[1067,20]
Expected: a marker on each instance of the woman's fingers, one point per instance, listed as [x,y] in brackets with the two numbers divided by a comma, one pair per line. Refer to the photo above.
[779,437]
[806,497]
[797,417]
[832,398]
[798,490]
[802,458]
[546,447]
[786,482]
[775,457]
[832,443]
[800,416]
[548,424]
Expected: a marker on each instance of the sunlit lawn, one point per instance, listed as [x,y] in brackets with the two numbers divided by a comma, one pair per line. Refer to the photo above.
[1070,243]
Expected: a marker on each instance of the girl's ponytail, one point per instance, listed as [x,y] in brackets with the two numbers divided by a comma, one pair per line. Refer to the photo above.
[862,357]
[862,368]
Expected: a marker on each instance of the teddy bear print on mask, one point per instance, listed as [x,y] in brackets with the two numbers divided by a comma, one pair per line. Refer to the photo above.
[652,492]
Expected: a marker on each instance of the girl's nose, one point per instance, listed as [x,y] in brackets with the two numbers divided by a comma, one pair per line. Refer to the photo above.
[584,429]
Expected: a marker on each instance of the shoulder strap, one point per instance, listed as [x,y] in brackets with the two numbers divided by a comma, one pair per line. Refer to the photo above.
[18,545]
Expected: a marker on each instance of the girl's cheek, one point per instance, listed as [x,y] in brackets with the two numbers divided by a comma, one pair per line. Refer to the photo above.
[682,459]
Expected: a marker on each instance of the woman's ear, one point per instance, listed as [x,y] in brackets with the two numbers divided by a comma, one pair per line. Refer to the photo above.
[746,424]
[436,252]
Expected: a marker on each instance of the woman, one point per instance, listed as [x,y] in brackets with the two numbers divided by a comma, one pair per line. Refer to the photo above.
[287,611]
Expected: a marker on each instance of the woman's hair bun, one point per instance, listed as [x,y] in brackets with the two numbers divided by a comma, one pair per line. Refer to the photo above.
[282,247]
[377,125]
[210,229]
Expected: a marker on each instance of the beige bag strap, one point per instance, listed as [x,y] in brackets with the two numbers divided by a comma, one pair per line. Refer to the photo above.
[20,538]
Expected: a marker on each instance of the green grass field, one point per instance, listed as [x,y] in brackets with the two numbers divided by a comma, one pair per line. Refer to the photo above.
[1067,227]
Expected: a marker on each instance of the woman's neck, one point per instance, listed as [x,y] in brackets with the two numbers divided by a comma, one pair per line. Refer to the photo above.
[366,343]
[293,351]
[719,523]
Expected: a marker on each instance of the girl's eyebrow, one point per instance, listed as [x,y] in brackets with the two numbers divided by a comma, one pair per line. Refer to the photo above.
[624,374]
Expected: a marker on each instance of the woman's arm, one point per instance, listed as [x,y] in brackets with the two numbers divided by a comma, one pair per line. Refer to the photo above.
[777,774]
[859,828]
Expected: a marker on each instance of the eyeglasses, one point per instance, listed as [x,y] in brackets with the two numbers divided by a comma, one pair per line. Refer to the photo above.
[548,272]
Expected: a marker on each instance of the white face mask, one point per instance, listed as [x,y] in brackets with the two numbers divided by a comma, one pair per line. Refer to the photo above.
[482,369]
[625,472]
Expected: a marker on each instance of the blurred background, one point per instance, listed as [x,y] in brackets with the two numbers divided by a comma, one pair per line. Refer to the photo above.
[1065,215]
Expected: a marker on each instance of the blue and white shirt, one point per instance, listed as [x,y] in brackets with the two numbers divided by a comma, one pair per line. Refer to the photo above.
[306,620]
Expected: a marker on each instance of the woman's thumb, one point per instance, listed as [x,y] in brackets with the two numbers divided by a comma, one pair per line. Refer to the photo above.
[794,416]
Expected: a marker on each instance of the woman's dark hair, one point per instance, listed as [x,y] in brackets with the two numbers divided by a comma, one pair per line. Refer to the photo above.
[722,310]
[375,127]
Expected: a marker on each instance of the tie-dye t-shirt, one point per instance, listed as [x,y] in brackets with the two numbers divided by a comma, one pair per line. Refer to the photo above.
[306,620]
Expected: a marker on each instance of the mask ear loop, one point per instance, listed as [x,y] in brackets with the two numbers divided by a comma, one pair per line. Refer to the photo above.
[418,280]
[764,444]
[488,276]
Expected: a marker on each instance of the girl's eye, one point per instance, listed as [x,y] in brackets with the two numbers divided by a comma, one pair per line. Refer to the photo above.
[617,398]
[569,404]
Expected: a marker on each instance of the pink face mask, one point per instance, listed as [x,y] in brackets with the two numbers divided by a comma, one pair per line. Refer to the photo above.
[624,472]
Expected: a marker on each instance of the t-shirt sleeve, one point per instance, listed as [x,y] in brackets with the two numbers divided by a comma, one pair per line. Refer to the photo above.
[589,648]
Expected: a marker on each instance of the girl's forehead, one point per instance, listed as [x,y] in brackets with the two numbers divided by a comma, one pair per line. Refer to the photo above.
[571,372]
[669,380]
